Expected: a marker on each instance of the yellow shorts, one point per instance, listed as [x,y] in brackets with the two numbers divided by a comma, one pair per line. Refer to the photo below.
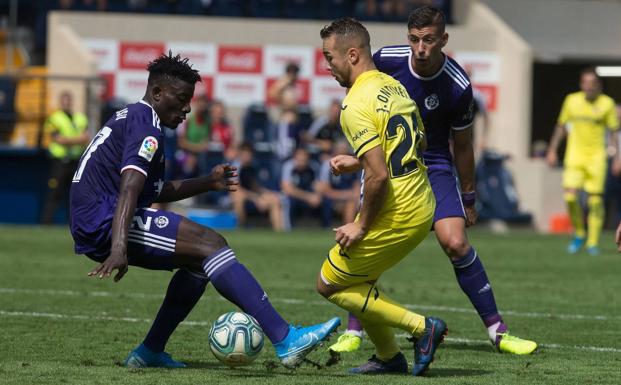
[588,176]
[367,259]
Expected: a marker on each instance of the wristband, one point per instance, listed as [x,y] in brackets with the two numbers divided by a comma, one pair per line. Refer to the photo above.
[468,198]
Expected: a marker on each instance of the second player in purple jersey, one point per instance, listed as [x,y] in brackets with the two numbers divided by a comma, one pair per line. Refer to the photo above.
[444,99]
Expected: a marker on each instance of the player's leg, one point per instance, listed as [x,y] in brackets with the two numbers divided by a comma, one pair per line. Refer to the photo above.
[238,199]
[347,279]
[594,186]
[450,229]
[202,249]
[573,180]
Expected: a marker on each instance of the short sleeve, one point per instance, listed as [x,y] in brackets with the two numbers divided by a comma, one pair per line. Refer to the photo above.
[563,117]
[359,129]
[287,171]
[612,121]
[463,110]
[142,141]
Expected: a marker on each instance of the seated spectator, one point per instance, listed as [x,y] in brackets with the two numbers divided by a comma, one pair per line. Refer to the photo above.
[221,131]
[285,91]
[326,129]
[251,196]
[340,193]
[298,184]
[193,139]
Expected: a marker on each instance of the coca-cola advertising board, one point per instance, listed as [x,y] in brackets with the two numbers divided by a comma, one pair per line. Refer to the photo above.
[236,59]
[276,58]
[239,90]
[137,55]
[105,52]
[204,57]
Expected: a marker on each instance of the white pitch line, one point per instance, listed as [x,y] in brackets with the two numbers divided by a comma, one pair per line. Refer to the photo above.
[293,301]
[450,340]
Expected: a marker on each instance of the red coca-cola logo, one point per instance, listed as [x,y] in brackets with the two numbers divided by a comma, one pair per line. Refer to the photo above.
[138,55]
[321,65]
[240,59]
[205,87]
[108,90]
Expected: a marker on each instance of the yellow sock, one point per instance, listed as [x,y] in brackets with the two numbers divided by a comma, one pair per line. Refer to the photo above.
[383,337]
[370,304]
[595,219]
[575,213]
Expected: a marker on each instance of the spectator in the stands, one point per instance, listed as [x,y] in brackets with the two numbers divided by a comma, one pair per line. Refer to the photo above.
[193,137]
[298,183]
[326,129]
[221,130]
[251,195]
[341,193]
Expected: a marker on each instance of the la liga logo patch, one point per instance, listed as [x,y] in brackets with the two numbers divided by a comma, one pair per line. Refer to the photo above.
[148,148]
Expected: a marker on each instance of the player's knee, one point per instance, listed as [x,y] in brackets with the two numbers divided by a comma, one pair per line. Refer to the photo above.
[456,246]
[322,288]
[212,241]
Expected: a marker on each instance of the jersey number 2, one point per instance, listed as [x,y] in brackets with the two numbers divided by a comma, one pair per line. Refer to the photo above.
[102,135]
[399,165]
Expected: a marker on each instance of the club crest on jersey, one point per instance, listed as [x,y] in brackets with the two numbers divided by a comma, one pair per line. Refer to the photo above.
[161,221]
[432,102]
[148,148]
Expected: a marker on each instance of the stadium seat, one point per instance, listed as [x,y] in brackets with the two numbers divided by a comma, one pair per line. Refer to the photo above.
[333,9]
[300,9]
[266,8]
[256,124]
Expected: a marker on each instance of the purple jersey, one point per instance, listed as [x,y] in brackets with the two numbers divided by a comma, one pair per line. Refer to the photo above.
[444,99]
[131,139]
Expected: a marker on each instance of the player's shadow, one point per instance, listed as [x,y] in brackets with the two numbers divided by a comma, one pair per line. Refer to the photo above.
[255,372]
[471,347]
[455,372]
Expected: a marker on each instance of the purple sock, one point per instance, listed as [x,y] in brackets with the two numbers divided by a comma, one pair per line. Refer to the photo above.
[473,281]
[235,283]
[184,291]
[353,323]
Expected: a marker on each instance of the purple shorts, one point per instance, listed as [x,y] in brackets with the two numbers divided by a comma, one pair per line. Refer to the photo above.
[448,197]
[151,241]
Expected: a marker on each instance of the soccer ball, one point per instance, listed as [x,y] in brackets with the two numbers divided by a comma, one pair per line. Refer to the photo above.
[236,339]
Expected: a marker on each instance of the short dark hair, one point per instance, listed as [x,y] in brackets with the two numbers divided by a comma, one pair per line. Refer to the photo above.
[590,70]
[426,16]
[350,28]
[172,66]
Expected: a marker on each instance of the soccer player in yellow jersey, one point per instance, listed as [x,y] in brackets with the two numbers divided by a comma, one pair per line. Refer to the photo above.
[383,126]
[584,118]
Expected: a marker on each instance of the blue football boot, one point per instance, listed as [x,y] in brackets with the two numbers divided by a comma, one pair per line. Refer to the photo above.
[142,357]
[593,251]
[397,364]
[575,245]
[302,340]
[425,346]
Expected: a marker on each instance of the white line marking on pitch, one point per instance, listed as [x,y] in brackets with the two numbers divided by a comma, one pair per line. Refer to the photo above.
[292,301]
[450,340]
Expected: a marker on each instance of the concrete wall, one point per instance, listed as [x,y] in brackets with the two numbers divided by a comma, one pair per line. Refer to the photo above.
[479,30]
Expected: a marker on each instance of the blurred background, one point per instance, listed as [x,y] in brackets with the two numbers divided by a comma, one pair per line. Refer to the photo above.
[268,104]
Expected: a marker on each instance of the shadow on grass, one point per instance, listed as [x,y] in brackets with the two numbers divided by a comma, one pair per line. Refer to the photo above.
[266,371]
[471,347]
[454,372]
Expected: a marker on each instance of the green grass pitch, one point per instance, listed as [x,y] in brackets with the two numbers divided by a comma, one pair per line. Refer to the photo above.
[59,326]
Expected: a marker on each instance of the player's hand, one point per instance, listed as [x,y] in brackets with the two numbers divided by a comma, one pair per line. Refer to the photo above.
[552,158]
[223,177]
[471,215]
[349,234]
[116,261]
[342,164]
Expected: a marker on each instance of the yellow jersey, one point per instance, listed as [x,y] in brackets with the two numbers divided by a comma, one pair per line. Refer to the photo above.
[586,124]
[378,111]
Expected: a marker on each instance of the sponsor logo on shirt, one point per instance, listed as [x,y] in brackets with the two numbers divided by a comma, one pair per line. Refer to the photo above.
[148,148]
[359,134]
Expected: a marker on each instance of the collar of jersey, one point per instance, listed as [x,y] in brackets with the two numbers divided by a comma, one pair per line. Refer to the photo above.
[417,76]
[363,76]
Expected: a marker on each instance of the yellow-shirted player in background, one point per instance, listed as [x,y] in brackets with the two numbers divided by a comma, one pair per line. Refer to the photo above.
[384,128]
[585,117]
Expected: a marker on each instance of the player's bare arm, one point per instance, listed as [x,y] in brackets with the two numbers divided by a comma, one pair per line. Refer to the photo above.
[464,163]
[223,177]
[557,136]
[132,183]
[374,192]
[343,164]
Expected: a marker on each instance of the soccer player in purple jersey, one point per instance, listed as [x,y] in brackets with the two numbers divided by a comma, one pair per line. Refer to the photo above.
[442,90]
[118,178]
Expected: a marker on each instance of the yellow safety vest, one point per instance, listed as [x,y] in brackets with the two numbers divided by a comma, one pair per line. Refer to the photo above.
[59,122]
